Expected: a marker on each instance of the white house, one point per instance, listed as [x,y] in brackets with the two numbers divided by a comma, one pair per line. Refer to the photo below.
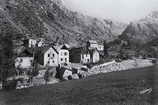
[63,54]
[48,56]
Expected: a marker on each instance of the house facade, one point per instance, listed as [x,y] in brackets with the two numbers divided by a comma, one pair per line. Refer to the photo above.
[63,54]
[95,56]
[48,56]
[85,57]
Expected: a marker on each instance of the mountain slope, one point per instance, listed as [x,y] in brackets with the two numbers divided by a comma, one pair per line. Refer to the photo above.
[142,31]
[50,18]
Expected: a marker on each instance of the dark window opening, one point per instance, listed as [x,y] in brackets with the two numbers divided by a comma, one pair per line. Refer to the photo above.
[65,59]
[65,53]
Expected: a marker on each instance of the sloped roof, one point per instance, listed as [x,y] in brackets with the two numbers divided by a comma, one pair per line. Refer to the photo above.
[82,50]
[64,46]
[75,50]
[42,50]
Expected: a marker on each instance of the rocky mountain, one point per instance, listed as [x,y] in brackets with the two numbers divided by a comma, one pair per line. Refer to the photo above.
[142,31]
[51,19]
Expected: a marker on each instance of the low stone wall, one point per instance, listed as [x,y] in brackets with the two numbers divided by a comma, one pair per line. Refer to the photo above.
[120,66]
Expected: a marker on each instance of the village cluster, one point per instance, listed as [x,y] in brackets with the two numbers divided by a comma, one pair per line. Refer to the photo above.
[54,62]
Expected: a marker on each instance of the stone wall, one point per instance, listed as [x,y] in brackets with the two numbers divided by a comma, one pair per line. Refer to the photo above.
[120,66]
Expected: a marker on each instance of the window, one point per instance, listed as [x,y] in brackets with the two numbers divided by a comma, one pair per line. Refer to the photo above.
[31,61]
[48,62]
[53,55]
[82,56]
[61,54]
[88,60]
[53,61]
[61,59]
[21,60]
[65,59]
[48,55]
[65,53]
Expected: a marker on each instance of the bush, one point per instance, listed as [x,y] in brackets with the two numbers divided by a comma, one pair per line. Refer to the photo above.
[9,85]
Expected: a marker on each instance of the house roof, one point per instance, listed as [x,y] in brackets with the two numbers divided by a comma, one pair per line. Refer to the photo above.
[64,46]
[44,49]
[80,50]
[75,50]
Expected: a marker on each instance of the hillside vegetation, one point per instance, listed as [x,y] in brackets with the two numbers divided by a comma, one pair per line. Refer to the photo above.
[51,19]
[117,88]
[142,31]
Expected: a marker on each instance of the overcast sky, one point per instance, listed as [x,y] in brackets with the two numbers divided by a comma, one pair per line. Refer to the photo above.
[124,10]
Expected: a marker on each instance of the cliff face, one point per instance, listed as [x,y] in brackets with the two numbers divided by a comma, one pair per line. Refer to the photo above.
[142,31]
[51,19]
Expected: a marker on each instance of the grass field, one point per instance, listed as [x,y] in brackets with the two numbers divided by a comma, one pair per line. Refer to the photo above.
[117,88]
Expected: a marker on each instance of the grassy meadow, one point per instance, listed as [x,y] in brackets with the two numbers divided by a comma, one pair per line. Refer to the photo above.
[116,88]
